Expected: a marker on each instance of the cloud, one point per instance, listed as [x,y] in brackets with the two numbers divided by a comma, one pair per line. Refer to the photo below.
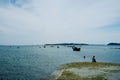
[51,21]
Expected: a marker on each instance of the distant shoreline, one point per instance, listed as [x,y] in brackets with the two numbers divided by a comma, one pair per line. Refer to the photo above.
[113,44]
[62,44]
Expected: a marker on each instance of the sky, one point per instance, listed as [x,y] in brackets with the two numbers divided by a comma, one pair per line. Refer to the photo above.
[59,21]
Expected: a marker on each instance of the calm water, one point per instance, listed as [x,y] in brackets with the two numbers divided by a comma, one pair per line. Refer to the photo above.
[34,63]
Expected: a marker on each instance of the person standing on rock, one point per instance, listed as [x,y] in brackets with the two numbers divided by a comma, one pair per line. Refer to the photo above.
[93,59]
[84,57]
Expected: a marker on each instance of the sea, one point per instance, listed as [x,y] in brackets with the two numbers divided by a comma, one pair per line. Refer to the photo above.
[36,62]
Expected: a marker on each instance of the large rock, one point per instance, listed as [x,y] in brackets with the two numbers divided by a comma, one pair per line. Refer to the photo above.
[87,71]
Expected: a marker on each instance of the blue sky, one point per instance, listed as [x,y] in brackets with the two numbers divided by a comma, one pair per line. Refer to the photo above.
[59,21]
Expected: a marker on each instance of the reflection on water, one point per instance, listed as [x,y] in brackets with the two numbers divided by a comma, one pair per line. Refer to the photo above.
[37,63]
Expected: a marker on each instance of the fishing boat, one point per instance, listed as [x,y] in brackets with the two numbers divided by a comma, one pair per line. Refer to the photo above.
[76,49]
[58,47]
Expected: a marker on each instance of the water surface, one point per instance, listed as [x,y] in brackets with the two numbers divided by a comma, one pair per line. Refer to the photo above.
[35,63]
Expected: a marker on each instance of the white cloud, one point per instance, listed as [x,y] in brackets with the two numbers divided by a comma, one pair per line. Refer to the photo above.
[50,21]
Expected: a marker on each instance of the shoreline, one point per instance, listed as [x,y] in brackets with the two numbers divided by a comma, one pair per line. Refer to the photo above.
[87,71]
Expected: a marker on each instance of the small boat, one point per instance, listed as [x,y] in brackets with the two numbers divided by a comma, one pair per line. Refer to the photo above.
[44,46]
[18,47]
[76,49]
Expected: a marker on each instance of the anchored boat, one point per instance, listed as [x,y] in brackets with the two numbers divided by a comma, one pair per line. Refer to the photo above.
[76,49]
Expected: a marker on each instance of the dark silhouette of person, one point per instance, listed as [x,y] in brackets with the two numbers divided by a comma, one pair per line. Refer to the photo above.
[93,59]
[84,57]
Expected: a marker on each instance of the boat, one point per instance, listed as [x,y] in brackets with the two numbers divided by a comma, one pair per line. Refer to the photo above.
[58,47]
[76,49]
[18,47]
[44,46]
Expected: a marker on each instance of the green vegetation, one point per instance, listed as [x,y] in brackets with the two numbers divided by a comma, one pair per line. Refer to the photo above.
[87,64]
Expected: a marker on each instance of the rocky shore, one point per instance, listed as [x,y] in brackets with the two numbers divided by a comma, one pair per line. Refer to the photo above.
[87,71]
